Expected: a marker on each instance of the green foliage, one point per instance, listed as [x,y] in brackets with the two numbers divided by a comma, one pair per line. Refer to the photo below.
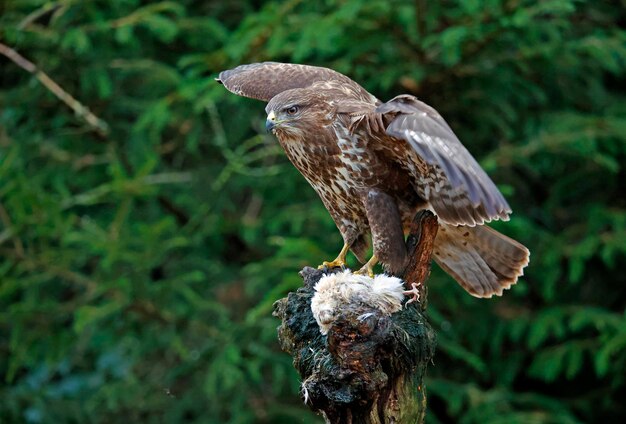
[138,267]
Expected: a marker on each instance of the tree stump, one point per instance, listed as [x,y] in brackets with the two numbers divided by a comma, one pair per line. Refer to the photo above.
[369,366]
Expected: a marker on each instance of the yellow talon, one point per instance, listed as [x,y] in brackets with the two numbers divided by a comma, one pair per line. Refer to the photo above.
[339,261]
[368,268]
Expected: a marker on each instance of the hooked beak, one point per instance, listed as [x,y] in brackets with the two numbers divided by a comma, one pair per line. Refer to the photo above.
[270,123]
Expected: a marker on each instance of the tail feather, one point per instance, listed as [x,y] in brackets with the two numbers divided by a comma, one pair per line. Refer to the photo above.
[483,261]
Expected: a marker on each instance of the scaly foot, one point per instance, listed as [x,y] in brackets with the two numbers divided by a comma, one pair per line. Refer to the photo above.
[339,261]
[368,268]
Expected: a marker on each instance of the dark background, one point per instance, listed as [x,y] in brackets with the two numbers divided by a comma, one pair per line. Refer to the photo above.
[138,266]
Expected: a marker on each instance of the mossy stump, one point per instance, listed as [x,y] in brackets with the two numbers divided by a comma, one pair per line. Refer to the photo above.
[369,368]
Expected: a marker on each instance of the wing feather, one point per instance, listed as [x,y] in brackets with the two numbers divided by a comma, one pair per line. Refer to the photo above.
[455,185]
[264,80]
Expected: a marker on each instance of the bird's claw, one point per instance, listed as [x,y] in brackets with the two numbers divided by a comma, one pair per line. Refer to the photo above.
[414,293]
[366,270]
[332,264]
[338,262]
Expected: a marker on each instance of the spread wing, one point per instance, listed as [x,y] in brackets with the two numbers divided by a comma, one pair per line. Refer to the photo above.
[264,80]
[457,188]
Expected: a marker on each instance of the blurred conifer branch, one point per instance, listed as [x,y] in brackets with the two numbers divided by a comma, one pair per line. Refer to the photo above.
[81,110]
[148,264]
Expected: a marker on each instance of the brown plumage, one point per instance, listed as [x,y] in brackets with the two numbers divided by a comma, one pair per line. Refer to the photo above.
[375,165]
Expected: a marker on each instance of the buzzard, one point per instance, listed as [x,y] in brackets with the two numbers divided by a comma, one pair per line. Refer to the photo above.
[375,165]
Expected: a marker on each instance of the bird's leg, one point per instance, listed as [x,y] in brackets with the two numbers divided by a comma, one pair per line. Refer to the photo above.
[368,268]
[339,261]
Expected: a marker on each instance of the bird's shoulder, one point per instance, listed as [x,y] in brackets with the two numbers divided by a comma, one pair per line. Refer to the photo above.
[345,92]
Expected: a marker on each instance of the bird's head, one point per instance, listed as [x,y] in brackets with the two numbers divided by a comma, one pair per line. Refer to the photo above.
[291,112]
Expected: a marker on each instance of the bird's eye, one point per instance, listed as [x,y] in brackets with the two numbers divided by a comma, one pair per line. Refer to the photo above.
[292,110]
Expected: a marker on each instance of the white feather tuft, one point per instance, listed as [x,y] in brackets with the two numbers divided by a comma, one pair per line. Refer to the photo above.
[390,290]
[336,293]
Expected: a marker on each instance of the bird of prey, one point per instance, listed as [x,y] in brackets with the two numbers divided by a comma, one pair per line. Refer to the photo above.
[375,165]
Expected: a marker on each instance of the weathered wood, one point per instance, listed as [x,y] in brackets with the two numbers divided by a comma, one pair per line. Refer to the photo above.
[370,366]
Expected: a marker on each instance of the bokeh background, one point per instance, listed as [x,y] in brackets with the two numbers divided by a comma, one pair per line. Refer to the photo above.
[139,261]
